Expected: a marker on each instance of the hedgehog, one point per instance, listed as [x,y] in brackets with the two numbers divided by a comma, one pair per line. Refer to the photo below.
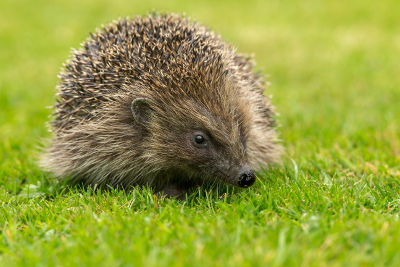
[160,101]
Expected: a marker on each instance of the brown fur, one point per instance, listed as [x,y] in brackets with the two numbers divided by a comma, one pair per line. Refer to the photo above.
[193,80]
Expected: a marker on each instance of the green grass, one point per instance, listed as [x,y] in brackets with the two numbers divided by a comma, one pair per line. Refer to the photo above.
[334,68]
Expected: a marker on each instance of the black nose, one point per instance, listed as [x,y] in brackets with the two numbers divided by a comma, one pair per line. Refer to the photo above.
[247,178]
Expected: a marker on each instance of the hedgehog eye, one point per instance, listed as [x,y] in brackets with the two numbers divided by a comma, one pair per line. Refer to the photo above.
[199,141]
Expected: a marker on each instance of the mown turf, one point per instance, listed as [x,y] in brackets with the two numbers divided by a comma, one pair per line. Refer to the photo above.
[334,68]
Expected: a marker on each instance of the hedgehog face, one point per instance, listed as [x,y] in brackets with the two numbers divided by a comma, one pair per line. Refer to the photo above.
[213,160]
[193,142]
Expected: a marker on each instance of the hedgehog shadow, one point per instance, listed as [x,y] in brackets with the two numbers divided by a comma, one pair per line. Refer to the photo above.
[198,194]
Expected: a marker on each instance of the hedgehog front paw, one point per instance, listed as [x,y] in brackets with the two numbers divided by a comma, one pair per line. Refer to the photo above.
[175,191]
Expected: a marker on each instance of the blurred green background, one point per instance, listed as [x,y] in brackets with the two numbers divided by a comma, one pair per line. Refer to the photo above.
[334,68]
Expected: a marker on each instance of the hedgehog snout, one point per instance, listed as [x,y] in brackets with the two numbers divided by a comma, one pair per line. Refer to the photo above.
[246,178]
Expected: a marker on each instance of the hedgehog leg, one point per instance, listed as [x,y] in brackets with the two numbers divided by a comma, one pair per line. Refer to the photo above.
[175,191]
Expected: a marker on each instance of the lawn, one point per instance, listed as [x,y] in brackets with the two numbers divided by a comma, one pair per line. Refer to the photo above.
[335,201]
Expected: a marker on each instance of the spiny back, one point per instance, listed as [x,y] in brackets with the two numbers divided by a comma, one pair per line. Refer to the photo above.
[166,53]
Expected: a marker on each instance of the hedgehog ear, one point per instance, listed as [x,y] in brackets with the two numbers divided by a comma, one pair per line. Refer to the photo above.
[141,109]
